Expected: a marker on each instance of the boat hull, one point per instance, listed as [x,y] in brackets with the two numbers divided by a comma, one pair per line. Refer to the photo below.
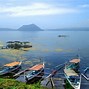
[31,75]
[35,78]
[11,71]
[74,86]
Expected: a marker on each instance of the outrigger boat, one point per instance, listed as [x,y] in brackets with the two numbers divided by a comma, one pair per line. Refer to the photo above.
[30,74]
[34,72]
[10,68]
[72,74]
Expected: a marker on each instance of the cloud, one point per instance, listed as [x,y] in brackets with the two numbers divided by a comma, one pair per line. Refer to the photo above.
[35,9]
[84,5]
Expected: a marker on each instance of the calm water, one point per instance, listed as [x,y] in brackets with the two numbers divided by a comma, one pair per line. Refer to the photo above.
[51,48]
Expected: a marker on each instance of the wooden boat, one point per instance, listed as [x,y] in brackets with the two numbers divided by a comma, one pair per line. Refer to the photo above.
[34,72]
[72,74]
[30,74]
[10,68]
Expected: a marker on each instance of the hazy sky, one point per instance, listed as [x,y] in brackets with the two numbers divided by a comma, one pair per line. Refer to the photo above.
[44,13]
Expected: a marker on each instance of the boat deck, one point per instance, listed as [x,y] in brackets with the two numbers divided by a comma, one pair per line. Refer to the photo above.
[12,64]
[37,67]
[70,72]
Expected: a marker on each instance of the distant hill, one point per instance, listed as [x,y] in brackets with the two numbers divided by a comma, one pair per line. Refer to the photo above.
[7,29]
[31,27]
[70,29]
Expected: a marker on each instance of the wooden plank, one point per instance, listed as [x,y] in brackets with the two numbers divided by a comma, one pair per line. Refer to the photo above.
[70,72]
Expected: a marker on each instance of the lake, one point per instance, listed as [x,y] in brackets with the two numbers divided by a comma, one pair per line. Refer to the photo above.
[53,50]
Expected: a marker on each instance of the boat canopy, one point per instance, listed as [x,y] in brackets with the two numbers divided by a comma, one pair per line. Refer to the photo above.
[75,60]
[12,64]
[37,67]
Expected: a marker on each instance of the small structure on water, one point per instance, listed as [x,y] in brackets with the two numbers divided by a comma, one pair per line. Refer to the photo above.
[62,35]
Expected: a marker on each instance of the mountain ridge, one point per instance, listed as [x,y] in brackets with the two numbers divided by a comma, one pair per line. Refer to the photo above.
[30,27]
[70,29]
[7,29]
[33,27]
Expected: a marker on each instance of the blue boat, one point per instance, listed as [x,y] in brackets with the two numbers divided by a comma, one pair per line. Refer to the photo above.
[31,74]
[10,68]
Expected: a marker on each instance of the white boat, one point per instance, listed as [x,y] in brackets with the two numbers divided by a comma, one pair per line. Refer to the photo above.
[71,74]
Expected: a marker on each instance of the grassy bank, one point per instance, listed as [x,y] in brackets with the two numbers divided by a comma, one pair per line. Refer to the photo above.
[13,84]
[68,86]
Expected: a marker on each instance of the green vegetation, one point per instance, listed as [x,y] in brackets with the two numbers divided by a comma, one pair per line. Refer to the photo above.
[13,84]
[68,86]
[18,44]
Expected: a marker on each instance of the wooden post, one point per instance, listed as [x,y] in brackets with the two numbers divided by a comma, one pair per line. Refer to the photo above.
[52,83]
